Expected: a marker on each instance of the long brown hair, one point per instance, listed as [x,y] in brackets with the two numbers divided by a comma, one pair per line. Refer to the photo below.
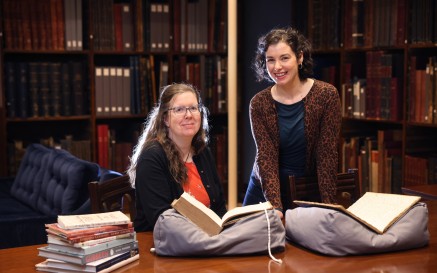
[156,130]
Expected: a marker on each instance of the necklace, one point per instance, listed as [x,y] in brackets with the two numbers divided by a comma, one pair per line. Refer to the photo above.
[188,155]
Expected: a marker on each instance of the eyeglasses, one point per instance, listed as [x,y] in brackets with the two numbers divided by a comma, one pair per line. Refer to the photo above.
[182,110]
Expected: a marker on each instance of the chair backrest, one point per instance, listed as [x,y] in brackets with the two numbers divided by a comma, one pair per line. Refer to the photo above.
[111,195]
[307,188]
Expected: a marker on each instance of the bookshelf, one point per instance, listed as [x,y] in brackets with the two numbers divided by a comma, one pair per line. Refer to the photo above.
[83,74]
[381,56]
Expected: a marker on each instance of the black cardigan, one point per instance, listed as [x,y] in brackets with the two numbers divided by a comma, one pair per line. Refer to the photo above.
[156,189]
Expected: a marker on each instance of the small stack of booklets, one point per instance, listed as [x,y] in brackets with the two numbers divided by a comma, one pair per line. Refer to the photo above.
[100,242]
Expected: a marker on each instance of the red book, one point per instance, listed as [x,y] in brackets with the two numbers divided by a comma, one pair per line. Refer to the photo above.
[60,24]
[103,144]
[74,233]
[54,25]
[118,26]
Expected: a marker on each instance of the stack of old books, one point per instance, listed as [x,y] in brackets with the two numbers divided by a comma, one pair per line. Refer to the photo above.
[100,242]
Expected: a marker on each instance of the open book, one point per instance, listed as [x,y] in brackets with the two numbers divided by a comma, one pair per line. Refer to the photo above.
[207,219]
[378,211]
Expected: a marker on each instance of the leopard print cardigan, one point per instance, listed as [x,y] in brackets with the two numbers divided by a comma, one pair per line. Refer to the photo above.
[322,130]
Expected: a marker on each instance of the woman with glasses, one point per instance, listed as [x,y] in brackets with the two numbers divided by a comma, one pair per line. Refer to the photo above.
[295,122]
[172,156]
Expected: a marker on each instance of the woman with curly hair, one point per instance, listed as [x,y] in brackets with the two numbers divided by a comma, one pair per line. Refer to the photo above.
[295,122]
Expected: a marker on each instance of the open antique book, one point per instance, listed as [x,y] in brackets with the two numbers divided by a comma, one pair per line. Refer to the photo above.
[378,211]
[207,219]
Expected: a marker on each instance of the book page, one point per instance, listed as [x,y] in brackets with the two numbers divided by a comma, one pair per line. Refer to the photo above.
[377,211]
[241,211]
[205,218]
[382,209]
[202,207]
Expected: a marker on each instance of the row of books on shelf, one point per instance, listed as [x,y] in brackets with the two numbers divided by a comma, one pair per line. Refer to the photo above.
[370,23]
[17,148]
[208,75]
[379,95]
[358,102]
[420,169]
[112,153]
[135,89]
[188,26]
[423,91]
[100,242]
[113,25]
[43,25]
[326,24]
[128,90]
[198,26]
[45,89]
[423,21]
[373,23]
[379,161]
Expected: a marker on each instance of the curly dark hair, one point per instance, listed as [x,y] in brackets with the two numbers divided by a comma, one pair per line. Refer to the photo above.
[299,45]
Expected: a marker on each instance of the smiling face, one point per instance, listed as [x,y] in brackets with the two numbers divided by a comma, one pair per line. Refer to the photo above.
[186,124]
[282,64]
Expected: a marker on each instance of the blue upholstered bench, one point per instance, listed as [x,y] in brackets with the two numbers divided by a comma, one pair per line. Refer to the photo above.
[49,183]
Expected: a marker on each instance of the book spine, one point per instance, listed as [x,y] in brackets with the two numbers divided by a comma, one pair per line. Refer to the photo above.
[84,238]
[118,32]
[78,25]
[126,90]
[105,239]
[127,27]
[109,252]
[139,25]
[23,88]
[55,88]
[113,91]
[99,91]
[88,231]
[44,89]
[33,88]
[78,88]
[117,259]
[87,250]
[11,98]
[119,90]
[66,88]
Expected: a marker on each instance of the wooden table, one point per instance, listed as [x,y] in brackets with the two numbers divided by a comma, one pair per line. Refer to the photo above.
[427,192]
[295,259]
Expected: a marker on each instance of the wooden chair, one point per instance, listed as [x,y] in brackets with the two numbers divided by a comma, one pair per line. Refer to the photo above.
[111,195]
[307,188]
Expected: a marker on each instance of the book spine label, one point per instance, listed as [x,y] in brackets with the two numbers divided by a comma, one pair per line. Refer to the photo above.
[109,252]
[117,259]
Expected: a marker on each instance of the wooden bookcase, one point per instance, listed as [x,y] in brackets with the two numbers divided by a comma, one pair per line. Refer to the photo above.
[381,56]
[150,43]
